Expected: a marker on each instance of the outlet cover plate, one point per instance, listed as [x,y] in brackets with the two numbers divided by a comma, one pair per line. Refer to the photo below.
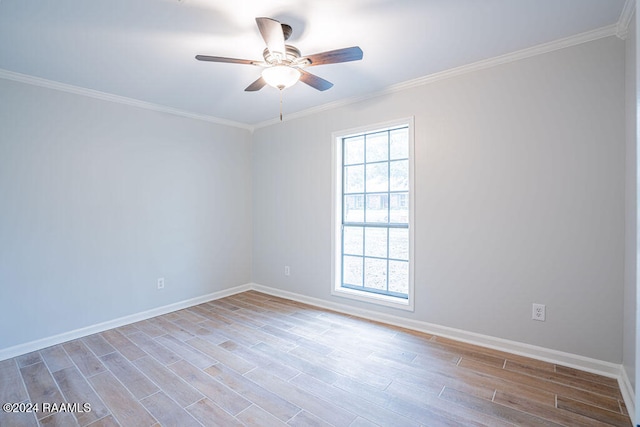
[539,312]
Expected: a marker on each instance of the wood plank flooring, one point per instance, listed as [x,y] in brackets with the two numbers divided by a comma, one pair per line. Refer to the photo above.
[254,359]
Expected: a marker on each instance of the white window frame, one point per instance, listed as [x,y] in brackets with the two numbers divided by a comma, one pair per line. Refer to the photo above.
[336,218]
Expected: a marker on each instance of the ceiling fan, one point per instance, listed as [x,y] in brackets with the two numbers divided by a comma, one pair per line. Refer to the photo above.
[283,64]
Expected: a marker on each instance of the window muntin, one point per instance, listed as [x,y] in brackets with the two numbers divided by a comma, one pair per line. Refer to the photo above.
[374,239]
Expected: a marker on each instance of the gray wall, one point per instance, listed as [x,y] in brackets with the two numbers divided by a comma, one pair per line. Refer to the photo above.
[520,198]
[98,200]
[520,173]
[631,211]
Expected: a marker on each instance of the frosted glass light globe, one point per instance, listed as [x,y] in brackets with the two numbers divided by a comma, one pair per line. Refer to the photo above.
[281,76]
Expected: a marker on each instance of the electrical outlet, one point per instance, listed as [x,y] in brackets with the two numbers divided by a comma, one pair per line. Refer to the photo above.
[161,283]
[287,270]
[539,312]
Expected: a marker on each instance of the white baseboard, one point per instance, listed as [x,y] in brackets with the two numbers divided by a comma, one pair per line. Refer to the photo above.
[8,353]
[628,394]
[595,366]
[541,353]
[600,367]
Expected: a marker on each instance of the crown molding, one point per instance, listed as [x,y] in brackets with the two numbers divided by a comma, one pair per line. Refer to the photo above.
[540,49]
[63,87]
[599,33]
[622,28]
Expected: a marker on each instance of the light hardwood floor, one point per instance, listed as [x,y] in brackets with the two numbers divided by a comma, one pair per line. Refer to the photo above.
[254,359]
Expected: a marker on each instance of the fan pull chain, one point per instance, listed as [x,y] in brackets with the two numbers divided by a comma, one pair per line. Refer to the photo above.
[281,104]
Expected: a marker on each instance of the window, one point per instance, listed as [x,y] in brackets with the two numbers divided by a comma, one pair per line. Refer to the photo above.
[372,214]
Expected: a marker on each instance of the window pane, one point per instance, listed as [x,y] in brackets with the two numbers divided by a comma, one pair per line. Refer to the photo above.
[354,179]
[399,277]
[353,243]
[377,209]
[377,147]
[377,177]
[375,194]
[399,175]
[375,273]
[399,212]
[399,243]
[399,145]
[354,208]
[352,270]
[375,242]
[354,150]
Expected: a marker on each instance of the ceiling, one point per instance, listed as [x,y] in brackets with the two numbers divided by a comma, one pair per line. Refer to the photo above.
[144,50]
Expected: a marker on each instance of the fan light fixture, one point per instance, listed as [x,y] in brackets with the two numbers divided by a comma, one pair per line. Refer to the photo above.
[284,63]
[281,76]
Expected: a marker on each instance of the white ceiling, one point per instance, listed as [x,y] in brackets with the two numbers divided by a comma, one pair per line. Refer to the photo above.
[144,49]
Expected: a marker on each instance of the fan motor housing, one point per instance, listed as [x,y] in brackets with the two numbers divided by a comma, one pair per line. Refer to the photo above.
[292,53]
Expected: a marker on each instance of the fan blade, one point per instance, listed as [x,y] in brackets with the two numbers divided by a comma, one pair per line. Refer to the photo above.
[314,81]
[271,31]
[228,60]
[257,85]
[347,54]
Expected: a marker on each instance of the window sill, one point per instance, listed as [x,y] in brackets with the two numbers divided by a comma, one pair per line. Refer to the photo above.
[373,298]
